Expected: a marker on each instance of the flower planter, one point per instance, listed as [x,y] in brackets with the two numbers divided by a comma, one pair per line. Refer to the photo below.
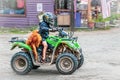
[102,24]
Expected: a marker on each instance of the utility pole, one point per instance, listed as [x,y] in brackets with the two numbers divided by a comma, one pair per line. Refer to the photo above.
[72,16]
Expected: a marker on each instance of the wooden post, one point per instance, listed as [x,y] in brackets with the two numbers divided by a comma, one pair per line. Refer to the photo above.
[89,16]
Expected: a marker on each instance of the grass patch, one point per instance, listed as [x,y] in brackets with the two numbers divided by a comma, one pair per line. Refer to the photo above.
[16,30]
[106,28]
[95,29]
[81,29]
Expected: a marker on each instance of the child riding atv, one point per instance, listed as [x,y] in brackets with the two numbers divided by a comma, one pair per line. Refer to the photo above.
[63,50]
[44,27]
[34,40]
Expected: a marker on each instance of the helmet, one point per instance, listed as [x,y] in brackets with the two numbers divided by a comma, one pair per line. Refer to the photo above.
[49,18]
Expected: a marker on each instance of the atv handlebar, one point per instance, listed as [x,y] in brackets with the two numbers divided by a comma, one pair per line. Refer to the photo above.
[62,33]
[53,30]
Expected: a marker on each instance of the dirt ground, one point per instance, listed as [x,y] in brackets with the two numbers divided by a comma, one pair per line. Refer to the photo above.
[101,50]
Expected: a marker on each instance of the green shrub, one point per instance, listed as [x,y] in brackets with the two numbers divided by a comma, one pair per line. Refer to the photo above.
[114,16]
[101,19]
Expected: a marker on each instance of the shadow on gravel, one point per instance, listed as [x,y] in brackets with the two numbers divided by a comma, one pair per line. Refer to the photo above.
[44,72]
[114,64]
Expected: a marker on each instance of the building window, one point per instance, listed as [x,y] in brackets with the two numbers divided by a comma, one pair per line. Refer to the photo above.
[63,4]
[12,7]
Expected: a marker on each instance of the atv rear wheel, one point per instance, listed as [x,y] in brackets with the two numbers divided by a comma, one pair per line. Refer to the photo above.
[21,63]
[66,63]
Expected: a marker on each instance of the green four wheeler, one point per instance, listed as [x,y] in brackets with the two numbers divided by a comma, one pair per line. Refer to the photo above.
[63,51]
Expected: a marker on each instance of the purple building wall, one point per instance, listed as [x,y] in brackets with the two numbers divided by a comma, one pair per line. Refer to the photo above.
[31,14]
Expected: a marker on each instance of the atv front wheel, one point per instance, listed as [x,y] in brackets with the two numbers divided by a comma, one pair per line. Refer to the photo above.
[81,61]
[66,63]
[21,63]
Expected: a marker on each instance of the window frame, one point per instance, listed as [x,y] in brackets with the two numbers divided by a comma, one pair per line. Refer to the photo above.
[15,15]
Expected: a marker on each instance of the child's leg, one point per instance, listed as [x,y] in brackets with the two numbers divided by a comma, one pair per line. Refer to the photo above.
[44,43]
[35,52]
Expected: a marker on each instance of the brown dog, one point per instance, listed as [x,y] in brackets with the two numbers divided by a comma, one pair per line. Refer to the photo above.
[34,40]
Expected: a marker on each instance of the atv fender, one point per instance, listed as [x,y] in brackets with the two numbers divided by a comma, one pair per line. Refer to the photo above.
[27,47]
[21,45]
[71,44]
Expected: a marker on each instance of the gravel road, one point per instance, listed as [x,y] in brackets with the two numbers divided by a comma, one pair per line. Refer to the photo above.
[102,58]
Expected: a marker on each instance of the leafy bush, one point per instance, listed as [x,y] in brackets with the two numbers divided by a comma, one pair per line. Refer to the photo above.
[112,17]
[115,16]
[101,19]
